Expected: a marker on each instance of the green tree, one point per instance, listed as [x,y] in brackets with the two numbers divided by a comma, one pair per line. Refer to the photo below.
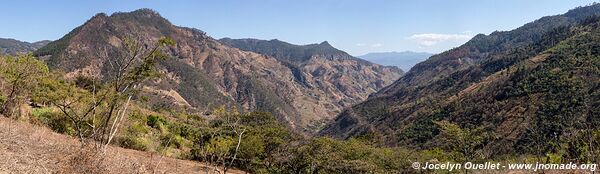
[77,104]
[468,143]
[96,106]
[21,75]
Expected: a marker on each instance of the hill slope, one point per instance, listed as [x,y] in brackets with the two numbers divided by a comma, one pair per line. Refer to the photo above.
[539,80]
[29,148]
[13,47]
[403,60]
[202,73]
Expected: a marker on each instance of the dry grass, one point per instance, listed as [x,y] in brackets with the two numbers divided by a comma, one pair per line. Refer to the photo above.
[27,148]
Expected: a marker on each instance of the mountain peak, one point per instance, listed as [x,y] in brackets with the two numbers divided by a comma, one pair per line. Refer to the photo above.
[141,15]
[146,11]
[583,12]
[100,15]
[226,71]
[326,46]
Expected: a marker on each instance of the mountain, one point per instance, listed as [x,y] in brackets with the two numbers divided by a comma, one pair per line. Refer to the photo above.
[13,47]
[537,85]
[403,60]
[344,78]
[203,73]
[289,52]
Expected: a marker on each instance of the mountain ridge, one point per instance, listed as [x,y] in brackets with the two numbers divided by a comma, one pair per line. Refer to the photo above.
[484,84]
[287,51]
[330,69]
[203,73]
[13,46]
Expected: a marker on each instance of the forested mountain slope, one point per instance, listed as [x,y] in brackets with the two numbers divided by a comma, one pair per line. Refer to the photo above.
[537,84]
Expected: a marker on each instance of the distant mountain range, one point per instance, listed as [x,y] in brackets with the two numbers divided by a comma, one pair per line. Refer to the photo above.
[403,60]
[13,47]
[537,86]
[302,85]
[324,67]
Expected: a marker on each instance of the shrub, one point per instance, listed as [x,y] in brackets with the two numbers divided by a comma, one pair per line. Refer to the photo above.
[173,140]
[155,121]
[134,142]
[62,125]
[2,99]
[44,115]
[56,121]
[137,129]
[182,130]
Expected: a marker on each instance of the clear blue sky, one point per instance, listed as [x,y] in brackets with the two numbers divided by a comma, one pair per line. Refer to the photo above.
[356,26]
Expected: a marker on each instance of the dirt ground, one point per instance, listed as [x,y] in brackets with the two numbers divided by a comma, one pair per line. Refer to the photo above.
[28,148]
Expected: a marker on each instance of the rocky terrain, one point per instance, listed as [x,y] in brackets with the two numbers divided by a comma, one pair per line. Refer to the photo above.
[333,75]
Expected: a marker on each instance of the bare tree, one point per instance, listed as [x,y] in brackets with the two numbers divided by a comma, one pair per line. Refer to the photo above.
[129,69]
[233,122]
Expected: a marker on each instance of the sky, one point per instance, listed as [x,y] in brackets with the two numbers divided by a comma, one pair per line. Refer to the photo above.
[355,26]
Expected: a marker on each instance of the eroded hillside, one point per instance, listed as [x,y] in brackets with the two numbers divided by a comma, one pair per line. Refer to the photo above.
[202,73]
